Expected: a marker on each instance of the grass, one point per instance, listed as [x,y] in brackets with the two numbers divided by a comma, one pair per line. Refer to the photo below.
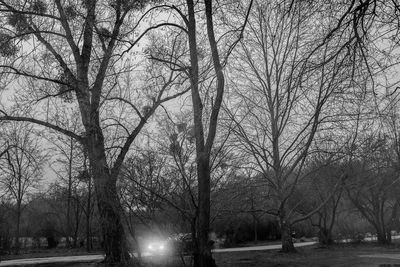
[336,256]
[314,256]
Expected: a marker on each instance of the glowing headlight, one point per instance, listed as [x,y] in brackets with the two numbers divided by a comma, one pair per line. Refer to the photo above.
[156,246]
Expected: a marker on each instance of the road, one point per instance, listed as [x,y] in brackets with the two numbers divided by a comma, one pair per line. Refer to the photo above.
[71,259]
[266,247]
[89,258]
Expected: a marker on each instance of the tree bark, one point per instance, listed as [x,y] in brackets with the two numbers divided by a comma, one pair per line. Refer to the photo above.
[205,258]
[325,236]
[202,254]
[388,237]
[19,203]
[255,229]
[17,235]
[88,211]
[114,231]
[77,220]
[382,236]
[115,244]
[255,222]
[286,237]
[69,197]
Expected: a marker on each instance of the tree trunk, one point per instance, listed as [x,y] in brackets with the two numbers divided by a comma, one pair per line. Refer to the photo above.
[325,236]
[195,248]
[388,237]
[254,220]
[68,240]
[255,229]
[204,257]
[77,221]
[382,237]
[381,232]
[286,237]
[115,241]
[88,211]
[202,254]
[69,197]
[115,234]
[17,235]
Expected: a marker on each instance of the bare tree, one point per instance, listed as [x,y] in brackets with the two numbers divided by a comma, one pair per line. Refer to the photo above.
[86,68]
[243,193]
[373,183]
[206,104]
[316,189]
[68,166]
[284,78]
[22,169]
[163,179]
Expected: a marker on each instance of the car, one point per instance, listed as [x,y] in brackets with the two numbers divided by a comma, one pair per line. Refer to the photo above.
[156,246]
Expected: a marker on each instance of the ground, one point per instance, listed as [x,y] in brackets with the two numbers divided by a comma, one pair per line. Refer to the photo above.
[363,255]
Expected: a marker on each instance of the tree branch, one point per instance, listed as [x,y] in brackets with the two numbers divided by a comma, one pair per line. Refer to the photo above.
[43,123]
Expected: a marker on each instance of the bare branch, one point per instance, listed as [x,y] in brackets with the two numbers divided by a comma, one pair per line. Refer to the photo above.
[42,123]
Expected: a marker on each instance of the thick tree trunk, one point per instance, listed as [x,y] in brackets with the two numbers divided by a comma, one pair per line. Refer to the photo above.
[115,243]
[381,231]
[382,237]
[325,236]
[286,237]
[204,256]
[115,234]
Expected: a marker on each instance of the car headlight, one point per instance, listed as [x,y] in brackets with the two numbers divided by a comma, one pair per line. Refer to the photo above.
[156,246]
